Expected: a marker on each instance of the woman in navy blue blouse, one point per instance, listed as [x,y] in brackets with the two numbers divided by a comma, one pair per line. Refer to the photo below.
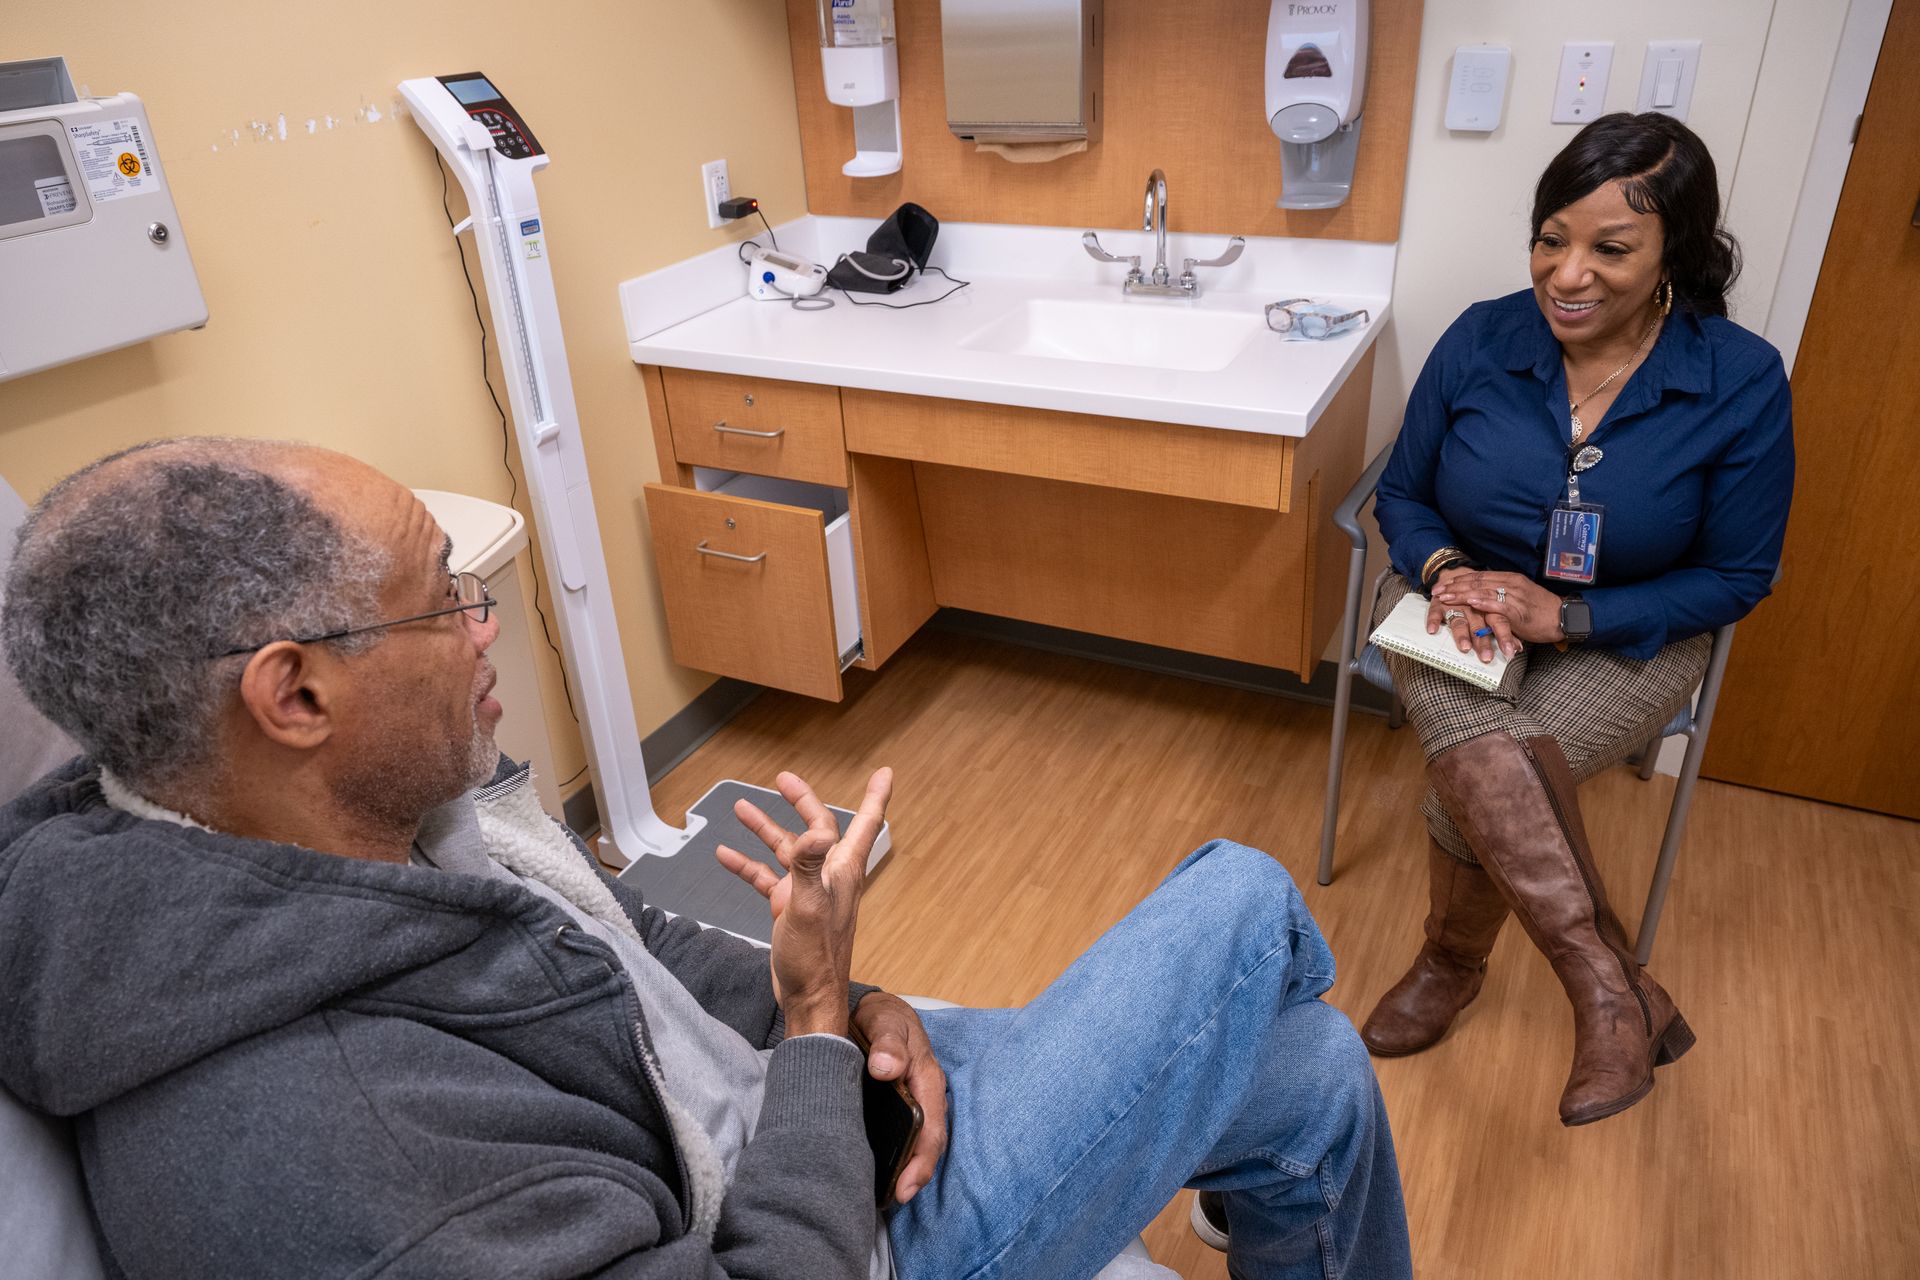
[1592,476]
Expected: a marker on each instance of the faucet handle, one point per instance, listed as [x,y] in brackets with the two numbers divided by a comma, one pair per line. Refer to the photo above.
[1235,247]
[1091,243]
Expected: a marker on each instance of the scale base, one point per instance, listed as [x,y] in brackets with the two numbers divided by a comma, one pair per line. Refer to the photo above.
[691,882]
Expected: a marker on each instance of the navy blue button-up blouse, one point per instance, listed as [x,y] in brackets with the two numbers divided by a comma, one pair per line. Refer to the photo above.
[1696,478]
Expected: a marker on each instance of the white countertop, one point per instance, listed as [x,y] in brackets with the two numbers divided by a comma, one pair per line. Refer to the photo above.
[695,315]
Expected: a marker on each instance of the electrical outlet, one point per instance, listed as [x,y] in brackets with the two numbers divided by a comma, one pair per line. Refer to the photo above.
[1581,94]
[714,188]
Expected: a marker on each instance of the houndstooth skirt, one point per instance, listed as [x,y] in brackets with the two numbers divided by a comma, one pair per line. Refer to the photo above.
[1600,705]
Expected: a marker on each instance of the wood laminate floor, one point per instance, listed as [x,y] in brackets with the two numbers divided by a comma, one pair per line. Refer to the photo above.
[1039,796]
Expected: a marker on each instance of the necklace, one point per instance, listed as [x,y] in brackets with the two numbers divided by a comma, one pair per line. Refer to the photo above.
[1579,428]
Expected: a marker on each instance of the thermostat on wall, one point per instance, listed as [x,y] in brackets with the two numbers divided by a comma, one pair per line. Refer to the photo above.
[1477,91]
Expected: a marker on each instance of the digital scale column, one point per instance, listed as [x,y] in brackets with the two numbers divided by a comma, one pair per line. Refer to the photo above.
[489,149]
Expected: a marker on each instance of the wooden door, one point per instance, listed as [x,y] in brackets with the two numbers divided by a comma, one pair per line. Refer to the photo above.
[1822,697]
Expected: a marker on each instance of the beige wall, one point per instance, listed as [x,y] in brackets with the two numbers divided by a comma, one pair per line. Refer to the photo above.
[338,311]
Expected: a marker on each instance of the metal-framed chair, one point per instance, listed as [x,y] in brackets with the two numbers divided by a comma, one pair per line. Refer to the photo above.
[1364,660]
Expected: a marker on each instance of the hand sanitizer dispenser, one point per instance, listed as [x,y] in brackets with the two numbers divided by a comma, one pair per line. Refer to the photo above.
[861,62]
[1316,83]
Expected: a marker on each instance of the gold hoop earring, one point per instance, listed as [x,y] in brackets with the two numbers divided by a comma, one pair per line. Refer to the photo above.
[1663,297]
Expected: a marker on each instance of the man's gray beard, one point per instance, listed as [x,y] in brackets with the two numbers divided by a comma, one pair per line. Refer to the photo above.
[396,785]
[483,757]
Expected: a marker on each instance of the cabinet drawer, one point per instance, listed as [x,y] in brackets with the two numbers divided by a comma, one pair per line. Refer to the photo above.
[759,589]
[1238,467]
[759,425]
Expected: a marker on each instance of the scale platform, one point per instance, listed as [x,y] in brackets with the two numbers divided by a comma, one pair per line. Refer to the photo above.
[691,882]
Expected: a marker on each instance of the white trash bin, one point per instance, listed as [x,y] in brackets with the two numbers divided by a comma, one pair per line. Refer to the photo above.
[487,540]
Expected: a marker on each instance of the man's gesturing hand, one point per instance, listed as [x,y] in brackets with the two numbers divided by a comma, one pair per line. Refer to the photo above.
[900,1047]
[817,903]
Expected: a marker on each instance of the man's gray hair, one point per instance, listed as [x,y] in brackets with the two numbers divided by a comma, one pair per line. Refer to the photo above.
[124,588]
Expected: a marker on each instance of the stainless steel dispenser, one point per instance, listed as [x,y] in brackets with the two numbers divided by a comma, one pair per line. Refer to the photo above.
[1023,70]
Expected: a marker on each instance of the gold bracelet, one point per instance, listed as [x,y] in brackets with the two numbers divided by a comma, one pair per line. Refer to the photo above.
[1427,570]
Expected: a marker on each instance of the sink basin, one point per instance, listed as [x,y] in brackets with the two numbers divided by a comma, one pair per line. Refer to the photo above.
[1144,334]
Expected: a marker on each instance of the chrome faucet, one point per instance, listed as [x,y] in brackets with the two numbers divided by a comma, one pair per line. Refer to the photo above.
[1160,283]
[1156,222]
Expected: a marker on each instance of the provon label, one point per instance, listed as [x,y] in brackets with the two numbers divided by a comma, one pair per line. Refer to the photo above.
[56,196]
[115,159]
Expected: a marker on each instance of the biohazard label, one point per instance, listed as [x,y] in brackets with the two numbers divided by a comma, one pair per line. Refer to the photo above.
[115,159]
[56,196]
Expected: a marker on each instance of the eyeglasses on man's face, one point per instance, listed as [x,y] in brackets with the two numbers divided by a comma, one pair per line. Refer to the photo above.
[466,589]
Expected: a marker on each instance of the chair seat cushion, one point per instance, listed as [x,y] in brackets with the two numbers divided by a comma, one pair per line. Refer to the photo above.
[44,1218]
[1373,668]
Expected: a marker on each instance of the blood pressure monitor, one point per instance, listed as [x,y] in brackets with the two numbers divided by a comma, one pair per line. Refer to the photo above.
[489,106]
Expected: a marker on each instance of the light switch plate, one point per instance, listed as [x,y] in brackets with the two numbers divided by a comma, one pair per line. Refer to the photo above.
[1581,94]
[1667,76]
[1477,92]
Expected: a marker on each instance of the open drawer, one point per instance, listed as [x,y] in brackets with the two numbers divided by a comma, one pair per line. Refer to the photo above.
[758,580]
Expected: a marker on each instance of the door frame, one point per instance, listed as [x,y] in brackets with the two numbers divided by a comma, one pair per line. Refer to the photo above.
[1846,101]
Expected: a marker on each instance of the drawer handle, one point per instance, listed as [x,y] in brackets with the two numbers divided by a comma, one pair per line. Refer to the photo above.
[706,550]
[775,434]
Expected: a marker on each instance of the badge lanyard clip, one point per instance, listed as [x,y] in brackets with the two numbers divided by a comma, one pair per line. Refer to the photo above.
[1573,531]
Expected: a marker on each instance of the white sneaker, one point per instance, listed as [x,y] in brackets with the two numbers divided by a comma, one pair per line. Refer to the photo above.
[1209,1218]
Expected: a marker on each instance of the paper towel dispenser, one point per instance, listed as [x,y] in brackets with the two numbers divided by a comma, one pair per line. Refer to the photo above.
[1023,70]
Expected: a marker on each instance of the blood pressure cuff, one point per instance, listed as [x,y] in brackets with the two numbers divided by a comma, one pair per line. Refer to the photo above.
[897,249]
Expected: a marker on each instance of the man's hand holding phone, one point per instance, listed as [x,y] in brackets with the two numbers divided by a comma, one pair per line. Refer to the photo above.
[906,1096]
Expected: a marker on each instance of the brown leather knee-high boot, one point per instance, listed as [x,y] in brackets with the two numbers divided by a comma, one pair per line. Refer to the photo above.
[1514,800]
[1464,915]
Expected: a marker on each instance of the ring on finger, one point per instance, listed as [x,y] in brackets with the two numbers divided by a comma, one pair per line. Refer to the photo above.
[1451,614]
[1500,595]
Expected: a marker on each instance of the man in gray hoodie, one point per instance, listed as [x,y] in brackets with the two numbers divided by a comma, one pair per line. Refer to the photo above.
[325,993]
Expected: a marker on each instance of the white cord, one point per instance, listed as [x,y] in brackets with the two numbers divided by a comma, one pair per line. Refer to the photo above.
[905,268]
[795,299]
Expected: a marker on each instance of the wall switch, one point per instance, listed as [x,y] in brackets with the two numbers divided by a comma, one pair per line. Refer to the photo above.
[1667,75]
[1581,94]
[1477,92]
[715,188]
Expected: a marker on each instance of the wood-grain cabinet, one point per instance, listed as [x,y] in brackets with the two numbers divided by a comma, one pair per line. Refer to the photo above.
[826,524]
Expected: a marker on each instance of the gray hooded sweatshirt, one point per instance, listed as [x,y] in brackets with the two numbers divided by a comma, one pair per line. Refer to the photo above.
[283,1062]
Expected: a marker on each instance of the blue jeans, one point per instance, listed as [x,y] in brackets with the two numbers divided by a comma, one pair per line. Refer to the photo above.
[1187,1047]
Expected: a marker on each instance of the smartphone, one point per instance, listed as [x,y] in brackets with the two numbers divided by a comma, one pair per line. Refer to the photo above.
[893,1124]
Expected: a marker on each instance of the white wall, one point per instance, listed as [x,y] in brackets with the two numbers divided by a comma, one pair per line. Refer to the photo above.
[1764,68]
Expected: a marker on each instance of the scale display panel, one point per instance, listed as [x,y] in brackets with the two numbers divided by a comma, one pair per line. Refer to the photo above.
[476,94]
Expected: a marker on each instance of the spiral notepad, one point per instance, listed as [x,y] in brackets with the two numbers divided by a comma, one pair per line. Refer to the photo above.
[1404,631]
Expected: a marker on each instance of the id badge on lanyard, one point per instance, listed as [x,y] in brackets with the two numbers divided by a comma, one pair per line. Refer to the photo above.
[1573,529]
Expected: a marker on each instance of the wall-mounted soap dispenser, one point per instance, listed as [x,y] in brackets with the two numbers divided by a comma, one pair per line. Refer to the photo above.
[861,62]
[1316,84]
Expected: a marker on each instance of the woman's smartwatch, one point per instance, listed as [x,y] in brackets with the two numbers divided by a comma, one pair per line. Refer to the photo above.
[1576,619]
